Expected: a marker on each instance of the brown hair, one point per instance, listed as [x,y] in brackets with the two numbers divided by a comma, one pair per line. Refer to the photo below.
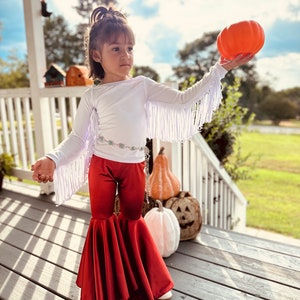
[106,25]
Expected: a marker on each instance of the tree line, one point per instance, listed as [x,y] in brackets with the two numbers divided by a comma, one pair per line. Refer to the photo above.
[245,96]
[65,48]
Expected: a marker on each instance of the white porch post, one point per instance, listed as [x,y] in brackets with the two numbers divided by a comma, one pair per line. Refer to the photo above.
[37,69]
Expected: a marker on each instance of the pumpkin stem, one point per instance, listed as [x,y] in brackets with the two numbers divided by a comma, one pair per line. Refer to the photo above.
[183,194]
[161,151]
[160,206]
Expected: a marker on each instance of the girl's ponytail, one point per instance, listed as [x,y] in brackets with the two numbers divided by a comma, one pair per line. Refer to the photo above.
[101,13]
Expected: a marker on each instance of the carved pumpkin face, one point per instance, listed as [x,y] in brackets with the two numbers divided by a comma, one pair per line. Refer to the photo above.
[187,211]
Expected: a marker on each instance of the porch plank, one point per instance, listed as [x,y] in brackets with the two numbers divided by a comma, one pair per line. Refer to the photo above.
[201,288]
[275,246]
[253,266]
[52,278]
[46,232]
[250,251]
[227,282]
[41,246]
[46,250]
[17,287]
[47,224]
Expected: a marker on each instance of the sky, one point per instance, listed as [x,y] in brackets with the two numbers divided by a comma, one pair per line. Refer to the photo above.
[162,28]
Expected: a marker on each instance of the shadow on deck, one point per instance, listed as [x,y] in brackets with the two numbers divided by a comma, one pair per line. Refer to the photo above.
[41,246]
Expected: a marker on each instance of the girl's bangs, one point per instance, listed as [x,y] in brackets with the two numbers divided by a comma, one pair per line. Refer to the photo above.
[114,32]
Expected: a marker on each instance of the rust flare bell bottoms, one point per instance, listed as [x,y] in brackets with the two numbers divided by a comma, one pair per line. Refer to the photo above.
[120,260]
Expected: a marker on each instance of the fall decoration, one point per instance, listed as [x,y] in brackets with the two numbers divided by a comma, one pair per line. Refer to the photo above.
[44,12]
[162,183]
[187,210]
[55,76]
[78,75]
[164,228]
[240,38]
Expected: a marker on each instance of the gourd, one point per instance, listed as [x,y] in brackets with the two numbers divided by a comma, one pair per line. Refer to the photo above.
[164,228]
[240,38]
[162,183]
[187,211]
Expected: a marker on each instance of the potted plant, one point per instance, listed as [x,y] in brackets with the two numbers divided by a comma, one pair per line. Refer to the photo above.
[6,165]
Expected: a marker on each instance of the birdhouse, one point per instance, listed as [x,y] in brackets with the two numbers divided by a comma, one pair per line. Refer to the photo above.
[78,75]
[55,76]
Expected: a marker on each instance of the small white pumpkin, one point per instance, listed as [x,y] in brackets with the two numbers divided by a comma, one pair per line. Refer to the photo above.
[164,228]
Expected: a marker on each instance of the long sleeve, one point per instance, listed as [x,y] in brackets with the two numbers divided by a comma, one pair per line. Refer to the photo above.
[72,156]
[177,116]
[75,143]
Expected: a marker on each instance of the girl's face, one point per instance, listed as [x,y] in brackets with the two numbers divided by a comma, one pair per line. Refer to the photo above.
[116,59]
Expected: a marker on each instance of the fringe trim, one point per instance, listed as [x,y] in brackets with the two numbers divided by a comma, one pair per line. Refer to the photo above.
[166,122]
[69,178]
[173,123]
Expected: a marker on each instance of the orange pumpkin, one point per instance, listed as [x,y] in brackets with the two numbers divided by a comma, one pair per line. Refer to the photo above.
[162,183]
[238,38]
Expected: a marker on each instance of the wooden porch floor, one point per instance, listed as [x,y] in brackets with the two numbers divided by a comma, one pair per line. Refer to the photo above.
[40,248]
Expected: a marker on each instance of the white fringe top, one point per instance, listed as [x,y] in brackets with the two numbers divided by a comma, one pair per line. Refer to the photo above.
[114,119]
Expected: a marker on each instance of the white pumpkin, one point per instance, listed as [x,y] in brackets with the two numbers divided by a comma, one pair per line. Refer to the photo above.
[164,228]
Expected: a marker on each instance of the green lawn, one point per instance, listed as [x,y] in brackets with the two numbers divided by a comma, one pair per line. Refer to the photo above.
[273,192]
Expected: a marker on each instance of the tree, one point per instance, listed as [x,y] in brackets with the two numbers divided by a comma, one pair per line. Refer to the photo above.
[293,94]
[14,72]
[196,58]
[61,45]
[278,107]
[146,71]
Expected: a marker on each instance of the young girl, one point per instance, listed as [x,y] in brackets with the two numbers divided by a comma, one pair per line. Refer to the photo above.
[119,259]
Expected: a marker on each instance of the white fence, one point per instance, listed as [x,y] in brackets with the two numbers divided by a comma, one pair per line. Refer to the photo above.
[193,162]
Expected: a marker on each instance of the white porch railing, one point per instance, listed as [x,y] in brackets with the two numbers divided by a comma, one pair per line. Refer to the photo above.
[18,131]
[193,162]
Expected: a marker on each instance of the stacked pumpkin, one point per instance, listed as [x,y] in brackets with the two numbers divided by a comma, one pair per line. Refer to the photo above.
[162,183]
[187,210]
[180,218]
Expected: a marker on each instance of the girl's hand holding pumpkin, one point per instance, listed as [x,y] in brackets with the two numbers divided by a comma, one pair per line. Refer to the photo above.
[43,170]
[239,60]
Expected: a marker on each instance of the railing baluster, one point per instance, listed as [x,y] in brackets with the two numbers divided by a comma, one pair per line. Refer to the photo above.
[29,131]
[192,169]
[63,117]
[185,166]
[221,204]
[5,138]
[20,129]
[205,182]
[73,107]
[12,129]
[53,120]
